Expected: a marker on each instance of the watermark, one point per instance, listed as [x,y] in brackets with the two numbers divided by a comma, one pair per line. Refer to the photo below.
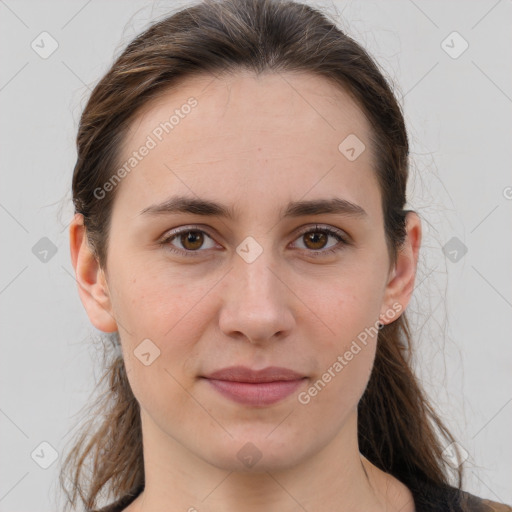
[152,140]
[44,249]
[249,454]
[454,455]
[454,45]
[44,455]
[304,397]
[44,45]
[146,352]
[454,249]
[351,147]
[249,249]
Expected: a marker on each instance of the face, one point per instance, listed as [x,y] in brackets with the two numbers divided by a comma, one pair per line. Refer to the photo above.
[270,285]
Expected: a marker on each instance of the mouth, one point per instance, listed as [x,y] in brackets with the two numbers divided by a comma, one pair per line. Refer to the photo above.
[258,388]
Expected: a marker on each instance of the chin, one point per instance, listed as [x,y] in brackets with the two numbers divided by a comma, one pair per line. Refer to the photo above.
[255,452]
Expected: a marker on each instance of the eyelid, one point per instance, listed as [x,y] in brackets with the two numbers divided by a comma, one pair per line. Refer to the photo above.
[305,229]
[344,237]
[325,227]
[184,229]
[168,236]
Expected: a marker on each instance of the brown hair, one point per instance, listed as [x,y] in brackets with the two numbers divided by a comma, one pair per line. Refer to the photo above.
[397,428]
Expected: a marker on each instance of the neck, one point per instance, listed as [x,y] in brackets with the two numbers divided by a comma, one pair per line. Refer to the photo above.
[335,478]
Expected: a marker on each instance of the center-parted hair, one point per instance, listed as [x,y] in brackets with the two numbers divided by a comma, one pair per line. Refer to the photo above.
[398,430]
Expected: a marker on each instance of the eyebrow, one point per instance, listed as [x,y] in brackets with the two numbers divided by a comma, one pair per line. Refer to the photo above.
[197,206]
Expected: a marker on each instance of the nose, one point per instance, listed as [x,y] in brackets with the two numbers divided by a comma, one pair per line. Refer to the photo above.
[258,302]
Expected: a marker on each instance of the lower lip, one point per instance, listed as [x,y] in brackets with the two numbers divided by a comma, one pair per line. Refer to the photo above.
[256,394]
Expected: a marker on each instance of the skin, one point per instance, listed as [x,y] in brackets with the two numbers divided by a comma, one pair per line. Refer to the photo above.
[254,143]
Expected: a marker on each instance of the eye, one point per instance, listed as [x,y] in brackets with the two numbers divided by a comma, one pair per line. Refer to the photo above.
[318,236]
[191,239]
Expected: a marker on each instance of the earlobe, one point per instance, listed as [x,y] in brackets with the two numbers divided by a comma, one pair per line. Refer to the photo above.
[90,277]
[402,276]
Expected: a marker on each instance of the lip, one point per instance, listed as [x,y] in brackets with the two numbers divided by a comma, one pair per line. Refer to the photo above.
[255,387]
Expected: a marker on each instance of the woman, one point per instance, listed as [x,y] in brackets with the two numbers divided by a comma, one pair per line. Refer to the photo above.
[240,229]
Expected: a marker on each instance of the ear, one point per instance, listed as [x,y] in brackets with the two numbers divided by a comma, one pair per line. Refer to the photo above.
[401,279]
[92,285]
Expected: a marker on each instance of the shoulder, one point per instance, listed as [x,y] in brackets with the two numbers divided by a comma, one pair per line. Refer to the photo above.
[471,503]
[118,506]
[121,504]
[494,506]
[429,497]
[114,507]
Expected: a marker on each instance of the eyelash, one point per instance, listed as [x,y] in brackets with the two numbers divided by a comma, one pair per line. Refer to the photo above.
[342,241]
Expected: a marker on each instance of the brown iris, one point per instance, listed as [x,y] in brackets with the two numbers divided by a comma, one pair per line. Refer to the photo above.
[314,236]
[192,240]
[195,238]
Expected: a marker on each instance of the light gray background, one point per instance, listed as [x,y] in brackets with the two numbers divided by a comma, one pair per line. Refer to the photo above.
[459,118]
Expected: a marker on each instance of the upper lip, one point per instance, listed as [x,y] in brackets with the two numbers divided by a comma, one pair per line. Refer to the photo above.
[245,374]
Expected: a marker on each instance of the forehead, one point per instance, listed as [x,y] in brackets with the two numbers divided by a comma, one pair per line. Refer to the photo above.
[243,134]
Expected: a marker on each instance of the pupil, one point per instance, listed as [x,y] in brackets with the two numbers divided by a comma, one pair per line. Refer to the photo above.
[314,237]
[194,238]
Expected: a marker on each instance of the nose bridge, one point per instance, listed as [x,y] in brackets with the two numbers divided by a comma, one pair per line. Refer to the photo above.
[255,303]
[255,268]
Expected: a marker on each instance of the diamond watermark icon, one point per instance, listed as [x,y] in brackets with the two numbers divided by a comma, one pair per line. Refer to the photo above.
[44,455]
[454,455]
[249,454]
[249,249]
[146,352]
[351,147]
[454,249]
[454,45]
[44,249]
[44,45]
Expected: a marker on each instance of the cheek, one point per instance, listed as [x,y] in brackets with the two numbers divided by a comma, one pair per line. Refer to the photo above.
[165,306]
[159,345]
[350,312]
[336,389]
[153,302]
[155,312]
[349,309]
